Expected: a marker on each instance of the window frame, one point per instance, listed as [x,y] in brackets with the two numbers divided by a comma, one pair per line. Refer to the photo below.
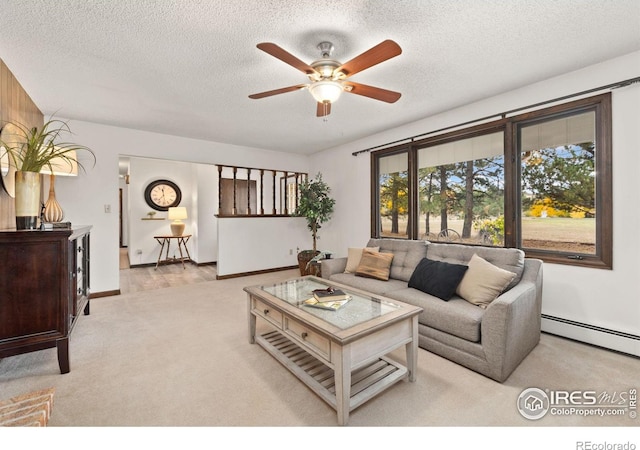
[412,187]
[510,126]
[601,106]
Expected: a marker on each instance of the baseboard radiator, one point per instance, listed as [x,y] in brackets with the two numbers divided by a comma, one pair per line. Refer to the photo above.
[590,334]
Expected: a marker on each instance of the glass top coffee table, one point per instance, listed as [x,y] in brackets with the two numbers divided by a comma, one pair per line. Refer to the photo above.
[339,354]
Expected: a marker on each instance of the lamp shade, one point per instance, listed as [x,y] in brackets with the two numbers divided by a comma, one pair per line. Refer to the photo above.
[326,91]
[62,166]
[177,213]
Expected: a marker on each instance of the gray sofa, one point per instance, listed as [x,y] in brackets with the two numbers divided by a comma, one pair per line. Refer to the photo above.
[492,340]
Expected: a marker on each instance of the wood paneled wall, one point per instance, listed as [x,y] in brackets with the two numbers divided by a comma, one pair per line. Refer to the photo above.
[17,106]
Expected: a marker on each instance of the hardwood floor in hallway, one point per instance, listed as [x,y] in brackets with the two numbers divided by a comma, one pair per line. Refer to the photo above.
[146,278]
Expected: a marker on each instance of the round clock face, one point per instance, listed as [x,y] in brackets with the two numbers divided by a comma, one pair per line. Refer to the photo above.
[162,195]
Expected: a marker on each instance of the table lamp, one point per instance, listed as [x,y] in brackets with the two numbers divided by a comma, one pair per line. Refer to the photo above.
[65,167]
[177,214]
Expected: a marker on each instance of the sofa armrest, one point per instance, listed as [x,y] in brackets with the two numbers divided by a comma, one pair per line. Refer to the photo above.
[331,266]
[511,324]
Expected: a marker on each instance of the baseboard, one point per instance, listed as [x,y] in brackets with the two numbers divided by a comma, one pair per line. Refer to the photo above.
[255,272]
[137,266]
[602,337]
[104,294]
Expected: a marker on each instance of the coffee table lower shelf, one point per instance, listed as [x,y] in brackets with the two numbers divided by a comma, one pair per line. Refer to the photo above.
[366,381]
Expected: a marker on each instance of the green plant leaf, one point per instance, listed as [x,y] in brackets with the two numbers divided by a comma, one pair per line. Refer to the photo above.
[315,204]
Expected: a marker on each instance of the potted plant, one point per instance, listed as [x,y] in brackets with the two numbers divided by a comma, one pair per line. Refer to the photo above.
[316,206]
[30,150]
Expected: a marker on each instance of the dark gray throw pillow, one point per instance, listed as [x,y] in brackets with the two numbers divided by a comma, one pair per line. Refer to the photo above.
[437,278]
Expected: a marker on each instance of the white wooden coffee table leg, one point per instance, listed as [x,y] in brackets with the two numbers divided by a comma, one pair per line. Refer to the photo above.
[252,322]
[343,384]
[412,350]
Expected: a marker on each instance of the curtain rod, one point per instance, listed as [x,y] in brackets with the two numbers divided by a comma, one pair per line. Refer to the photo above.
[619,84]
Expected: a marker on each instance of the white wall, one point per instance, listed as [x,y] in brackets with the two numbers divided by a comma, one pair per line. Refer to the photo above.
[83,198]
[205,224]
[601,298]
[257,249]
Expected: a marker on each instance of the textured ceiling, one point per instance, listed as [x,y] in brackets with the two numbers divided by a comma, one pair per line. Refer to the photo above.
[186,67]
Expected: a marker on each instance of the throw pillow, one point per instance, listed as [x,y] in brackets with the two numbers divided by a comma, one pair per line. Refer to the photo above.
[437,278]
[375,265]
[483,282]
[354,256]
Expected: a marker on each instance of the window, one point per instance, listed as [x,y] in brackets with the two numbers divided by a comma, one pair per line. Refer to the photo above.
[461,190]
[392,210]
[540,181]
[564,158]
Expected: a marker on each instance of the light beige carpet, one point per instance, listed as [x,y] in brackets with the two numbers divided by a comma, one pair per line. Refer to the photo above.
[180,357]
[124,258]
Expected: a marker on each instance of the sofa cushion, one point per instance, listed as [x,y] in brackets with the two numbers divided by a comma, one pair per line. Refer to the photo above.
[483,282]
[437,278]
[406,255]
[354,255]
[457,316]
[374,265]
[510,259]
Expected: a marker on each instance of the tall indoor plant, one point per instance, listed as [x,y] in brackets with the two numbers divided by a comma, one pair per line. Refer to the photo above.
[314,204]
[30,150]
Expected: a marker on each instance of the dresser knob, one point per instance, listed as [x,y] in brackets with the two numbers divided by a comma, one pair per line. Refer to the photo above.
[266,311]
[304,335]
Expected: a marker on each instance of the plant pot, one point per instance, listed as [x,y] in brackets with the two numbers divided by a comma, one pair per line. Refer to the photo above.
[27,200]
[303,262]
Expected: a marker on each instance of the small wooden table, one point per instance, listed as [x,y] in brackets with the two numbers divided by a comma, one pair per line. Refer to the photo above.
[165,241]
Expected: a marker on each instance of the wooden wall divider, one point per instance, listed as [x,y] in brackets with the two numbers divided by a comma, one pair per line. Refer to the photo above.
[15,106]
[232,191]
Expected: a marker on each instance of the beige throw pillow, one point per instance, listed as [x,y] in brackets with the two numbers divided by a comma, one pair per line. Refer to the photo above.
[483,282]
[375,265]
[354,256]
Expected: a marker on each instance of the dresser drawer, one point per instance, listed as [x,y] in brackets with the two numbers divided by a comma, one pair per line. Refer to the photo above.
[266,312]
[308,338]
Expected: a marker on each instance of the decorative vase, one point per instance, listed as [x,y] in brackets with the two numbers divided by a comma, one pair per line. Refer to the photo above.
[27,200]
[52,209]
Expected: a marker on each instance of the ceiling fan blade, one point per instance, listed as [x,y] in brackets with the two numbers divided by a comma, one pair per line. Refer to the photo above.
[323,109]
[375,55]
[278,91]
[372,92]
[285,56]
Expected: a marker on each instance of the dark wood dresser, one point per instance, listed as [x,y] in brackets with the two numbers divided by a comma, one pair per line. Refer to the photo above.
[44,287]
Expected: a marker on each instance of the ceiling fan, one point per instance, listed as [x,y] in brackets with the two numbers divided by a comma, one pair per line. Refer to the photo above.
[328,78]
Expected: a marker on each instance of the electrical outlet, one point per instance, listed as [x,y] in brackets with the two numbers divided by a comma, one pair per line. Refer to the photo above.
[291,251]
[107,208]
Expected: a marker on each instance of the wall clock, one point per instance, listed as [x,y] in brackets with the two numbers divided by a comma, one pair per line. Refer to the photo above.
[162,195]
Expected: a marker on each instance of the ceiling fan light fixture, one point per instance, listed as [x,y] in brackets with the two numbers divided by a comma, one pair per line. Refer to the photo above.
[326,91]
